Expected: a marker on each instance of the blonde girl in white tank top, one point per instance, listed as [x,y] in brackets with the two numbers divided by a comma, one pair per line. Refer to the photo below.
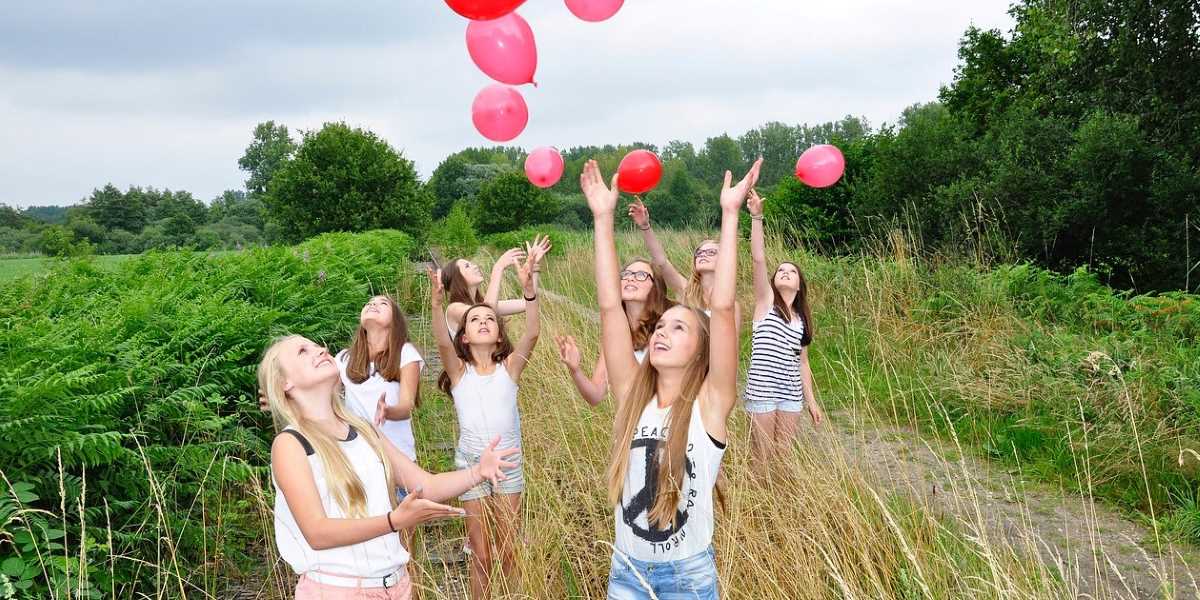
[335,476]
[482,368]
[670,425]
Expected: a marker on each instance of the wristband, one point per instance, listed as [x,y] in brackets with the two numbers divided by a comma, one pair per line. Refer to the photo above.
[756,217]
[390,526]
[646,228]
[528,299]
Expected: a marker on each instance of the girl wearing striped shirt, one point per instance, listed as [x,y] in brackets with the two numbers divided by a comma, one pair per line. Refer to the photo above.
[779,382]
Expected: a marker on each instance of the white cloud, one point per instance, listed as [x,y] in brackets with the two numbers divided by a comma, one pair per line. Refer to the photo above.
[659,70]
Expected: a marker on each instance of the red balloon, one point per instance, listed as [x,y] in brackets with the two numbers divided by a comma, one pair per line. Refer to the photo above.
[821,166]
[484,10]
[639,172]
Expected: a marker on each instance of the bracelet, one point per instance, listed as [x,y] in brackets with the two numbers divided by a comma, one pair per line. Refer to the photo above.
[756,217]
[527,299]
[646,228]
[390,526]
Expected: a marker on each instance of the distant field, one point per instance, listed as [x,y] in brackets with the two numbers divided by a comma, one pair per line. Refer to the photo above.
[16,267]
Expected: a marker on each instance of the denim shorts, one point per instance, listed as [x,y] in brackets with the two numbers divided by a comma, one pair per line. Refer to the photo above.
[514,483]
[691,578]
[762,407]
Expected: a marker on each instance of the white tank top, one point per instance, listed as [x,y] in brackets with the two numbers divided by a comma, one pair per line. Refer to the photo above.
[486,407]
[376,557]
[693,528]
[361,398]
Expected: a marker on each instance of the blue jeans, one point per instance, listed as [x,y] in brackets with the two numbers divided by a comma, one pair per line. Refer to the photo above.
[691,578]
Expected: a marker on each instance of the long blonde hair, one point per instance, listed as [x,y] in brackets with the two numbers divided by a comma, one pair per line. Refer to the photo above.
[673,458]
[693,295]
[345,486]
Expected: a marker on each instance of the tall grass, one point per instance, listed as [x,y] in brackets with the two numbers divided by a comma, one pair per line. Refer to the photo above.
[896,339]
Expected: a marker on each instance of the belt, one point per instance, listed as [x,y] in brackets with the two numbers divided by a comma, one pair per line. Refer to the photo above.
[351,581]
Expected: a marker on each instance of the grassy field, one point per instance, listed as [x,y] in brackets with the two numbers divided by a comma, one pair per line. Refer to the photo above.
[1055,378]
[11,268]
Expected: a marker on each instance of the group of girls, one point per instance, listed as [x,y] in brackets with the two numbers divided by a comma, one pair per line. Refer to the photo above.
[343,463]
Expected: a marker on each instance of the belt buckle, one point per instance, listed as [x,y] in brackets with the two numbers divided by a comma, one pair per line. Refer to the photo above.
[385,581]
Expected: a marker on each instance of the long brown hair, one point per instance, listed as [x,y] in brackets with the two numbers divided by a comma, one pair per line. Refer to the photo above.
[387,364]
[461,349]
[344,485]
[656,304]
[693,295]
[673,452]
[799,304]
[456,286]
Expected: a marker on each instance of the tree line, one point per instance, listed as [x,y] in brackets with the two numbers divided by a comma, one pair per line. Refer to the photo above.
[1074,138]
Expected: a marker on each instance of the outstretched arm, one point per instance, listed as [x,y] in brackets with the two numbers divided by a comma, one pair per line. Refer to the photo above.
[764,297]
[591,388]
[641,217]
[615,340]
[441,334]
[723,338]
[511,258]
[533,322]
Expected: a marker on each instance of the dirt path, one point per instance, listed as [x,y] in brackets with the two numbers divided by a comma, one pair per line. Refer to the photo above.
[1102,551]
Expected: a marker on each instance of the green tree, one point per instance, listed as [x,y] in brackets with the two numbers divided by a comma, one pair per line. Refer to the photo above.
[115,210]
[271,147]
[346,179]
[510,202]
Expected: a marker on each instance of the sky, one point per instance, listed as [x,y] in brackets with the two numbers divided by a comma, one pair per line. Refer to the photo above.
[166,93]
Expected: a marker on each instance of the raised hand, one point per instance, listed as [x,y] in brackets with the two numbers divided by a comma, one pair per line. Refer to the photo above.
[568,352]
[381,410]
[436,292]
[640,214]
[537,250]
[511,258]
[755,203]
[491,462]
[525,276]
[733,196]
[414,510]
[601,198]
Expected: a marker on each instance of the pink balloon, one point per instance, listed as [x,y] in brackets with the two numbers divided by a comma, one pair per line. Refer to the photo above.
[499,113]
[821,166]
[503,48]
[544,167]
[594,10]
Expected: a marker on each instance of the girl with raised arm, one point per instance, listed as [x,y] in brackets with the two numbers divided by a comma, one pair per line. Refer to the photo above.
[336,516]
[461,279]
[644,299]
[482,368]
[695,290]
[670,427]
[779,382]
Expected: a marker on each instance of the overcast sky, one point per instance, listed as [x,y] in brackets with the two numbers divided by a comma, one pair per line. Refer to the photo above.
[165,93]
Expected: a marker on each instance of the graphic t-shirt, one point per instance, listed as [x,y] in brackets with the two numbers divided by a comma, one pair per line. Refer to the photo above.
[693,528]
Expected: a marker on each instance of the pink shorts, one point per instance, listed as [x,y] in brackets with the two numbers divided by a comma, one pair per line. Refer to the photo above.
[307,589]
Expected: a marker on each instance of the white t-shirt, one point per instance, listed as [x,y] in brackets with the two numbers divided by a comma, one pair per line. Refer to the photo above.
[693,529]
[361,398]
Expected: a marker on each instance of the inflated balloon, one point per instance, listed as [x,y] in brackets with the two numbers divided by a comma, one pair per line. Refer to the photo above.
[503,48]
[544,167]
[594,10]
[639,172]
[499,113]
[483,10]
[821,166]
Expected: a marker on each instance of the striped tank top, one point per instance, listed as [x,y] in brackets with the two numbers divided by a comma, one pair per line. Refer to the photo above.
[774,373]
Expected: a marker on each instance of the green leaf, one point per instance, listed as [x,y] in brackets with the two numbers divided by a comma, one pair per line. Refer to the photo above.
[13,567]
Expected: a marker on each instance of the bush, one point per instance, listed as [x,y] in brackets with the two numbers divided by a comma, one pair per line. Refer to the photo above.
[455,235]
[510,202]
[150,365]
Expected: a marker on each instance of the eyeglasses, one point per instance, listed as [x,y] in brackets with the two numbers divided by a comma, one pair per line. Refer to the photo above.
[711,252]
[636,275]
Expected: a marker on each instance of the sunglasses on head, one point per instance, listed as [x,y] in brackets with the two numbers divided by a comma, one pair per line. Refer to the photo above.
[636,275]
[709,253]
